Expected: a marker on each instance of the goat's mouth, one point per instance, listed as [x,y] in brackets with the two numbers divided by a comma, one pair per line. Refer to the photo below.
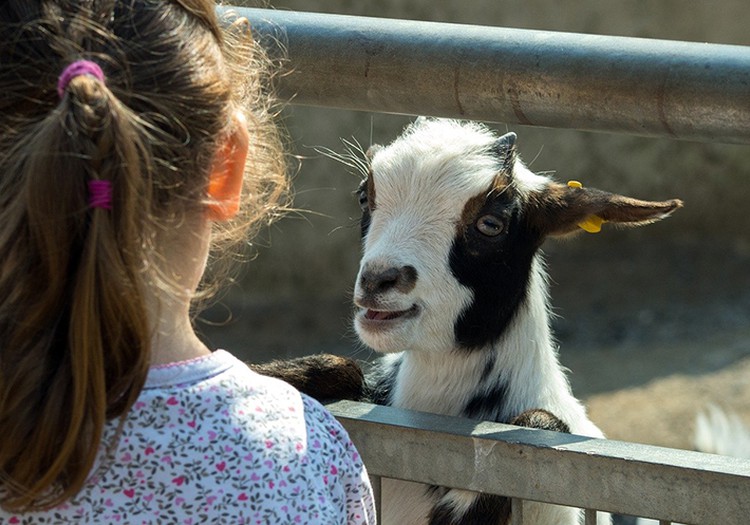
[372,317]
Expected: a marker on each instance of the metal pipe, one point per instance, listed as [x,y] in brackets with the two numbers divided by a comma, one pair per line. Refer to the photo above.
[639,86]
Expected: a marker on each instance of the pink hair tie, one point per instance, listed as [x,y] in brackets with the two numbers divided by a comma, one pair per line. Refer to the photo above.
[75,69]
[100,194]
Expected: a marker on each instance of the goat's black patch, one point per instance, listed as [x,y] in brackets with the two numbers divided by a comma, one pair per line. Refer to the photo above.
[380,383]
[489,405]
[486,509]
[364,204]
[496,269]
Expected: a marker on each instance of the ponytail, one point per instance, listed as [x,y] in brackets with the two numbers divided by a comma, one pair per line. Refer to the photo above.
[76,350]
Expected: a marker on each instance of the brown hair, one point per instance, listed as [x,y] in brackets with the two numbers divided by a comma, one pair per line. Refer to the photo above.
[74,334]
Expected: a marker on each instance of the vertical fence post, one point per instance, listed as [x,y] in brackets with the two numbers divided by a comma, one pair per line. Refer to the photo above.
[376,482]
[516,511]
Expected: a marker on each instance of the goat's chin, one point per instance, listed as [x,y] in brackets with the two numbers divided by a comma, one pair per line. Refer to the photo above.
[385,338]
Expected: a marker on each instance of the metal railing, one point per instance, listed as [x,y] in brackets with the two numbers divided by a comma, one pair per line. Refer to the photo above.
[537,465]
[640,86]
[600,83]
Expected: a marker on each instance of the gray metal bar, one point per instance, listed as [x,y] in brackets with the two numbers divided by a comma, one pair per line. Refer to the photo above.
[683,90]
[590,517]
[639,480]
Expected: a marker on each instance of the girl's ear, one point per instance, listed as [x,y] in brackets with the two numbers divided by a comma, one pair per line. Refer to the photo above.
[227,172]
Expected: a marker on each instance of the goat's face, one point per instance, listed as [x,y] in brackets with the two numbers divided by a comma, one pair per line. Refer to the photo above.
[451,221]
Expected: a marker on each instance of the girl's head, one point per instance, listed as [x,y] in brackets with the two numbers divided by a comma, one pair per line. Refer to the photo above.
[161,129]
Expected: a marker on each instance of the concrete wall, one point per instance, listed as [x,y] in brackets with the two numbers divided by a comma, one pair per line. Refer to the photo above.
[621,294]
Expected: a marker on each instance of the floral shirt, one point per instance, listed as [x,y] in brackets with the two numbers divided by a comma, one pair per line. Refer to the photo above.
[210,441]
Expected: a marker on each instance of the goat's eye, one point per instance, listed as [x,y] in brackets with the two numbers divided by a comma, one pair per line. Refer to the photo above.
[490,225]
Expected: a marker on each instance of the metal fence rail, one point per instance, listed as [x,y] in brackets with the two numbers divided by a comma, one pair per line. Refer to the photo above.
[639,86]
[615,476]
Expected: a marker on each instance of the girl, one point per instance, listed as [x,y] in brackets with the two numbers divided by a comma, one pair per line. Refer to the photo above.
[125,126]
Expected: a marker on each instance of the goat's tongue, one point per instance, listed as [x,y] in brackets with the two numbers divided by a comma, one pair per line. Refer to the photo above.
[381,316]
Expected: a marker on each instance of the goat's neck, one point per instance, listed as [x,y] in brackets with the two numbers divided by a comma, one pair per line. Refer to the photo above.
[522,361]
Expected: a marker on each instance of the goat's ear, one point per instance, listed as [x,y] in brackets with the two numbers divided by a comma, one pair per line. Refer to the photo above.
[505,149]
[561,209]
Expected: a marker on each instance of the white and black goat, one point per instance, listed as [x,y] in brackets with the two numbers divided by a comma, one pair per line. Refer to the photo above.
[453,290]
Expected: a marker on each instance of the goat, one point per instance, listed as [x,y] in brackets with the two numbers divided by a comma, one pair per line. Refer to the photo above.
[452,288]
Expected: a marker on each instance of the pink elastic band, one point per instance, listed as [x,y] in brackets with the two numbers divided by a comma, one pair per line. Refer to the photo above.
[100,194]
[75,69]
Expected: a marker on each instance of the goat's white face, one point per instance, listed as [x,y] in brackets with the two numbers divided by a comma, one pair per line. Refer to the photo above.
[451,222]
[407,295]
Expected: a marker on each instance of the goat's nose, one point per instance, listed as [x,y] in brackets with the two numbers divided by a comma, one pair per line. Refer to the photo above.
[402,279]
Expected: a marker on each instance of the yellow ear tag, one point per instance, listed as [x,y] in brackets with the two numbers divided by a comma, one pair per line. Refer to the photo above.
[592,223]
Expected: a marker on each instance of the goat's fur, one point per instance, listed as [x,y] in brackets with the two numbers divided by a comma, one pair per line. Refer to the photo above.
[453,289]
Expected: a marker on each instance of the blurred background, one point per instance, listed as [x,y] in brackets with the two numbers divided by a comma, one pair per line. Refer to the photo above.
[652,322]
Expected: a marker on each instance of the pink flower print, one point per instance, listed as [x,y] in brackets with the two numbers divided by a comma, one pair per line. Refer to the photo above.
[140,405]
[299,447]
[192,423]
[126,457]
[172,401]
[227,448]
[148,497]
[129,492]
[179,480]
[14,520]
[248,457]
[179,501]
[254,477]
[271,484]
[269,443]
[242,497]
[334,470]
[211,435]
[298,519]
[188,521]
[108,503]
[210,500]
[149,450]
[166,459]
[221,466]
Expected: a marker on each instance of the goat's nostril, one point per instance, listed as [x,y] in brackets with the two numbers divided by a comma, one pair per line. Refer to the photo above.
[402,279]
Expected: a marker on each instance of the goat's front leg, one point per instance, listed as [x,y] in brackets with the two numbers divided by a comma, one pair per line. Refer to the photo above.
[324,376]
[461,507]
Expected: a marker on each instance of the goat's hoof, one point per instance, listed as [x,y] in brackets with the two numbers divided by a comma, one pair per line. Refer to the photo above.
[541,419]
[324,376]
